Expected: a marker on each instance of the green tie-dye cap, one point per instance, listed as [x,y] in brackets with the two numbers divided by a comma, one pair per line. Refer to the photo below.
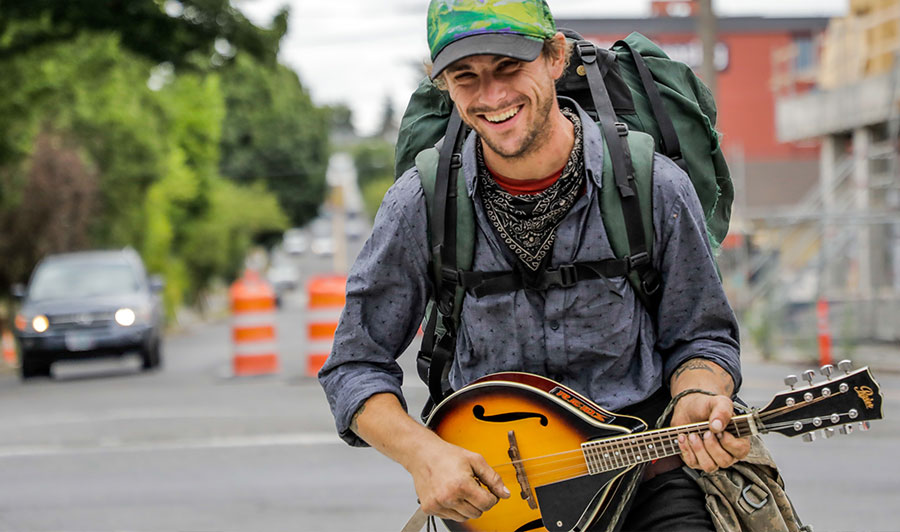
[462,28]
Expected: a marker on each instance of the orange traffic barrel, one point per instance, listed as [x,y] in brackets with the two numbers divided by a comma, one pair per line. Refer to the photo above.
[9,349]
[325,304]
[252,302]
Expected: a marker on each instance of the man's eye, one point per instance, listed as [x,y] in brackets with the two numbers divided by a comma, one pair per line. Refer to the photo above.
[464,76]
[507,66]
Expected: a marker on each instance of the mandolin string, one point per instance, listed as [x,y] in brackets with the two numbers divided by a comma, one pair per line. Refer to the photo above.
[559,463]
[575,459]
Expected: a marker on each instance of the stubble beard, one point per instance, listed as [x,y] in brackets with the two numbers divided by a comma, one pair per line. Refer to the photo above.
[535,136]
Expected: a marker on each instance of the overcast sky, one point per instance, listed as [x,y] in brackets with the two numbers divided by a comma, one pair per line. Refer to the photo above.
[362,52]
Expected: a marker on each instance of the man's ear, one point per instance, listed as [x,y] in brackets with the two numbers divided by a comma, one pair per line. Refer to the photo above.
[558,64]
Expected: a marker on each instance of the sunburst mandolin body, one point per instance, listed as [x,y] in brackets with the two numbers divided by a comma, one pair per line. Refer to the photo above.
[545,423]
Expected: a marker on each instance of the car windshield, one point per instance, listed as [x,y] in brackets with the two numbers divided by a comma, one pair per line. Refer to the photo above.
[64,280]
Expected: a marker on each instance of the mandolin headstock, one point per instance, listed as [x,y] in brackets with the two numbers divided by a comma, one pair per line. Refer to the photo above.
[842,402]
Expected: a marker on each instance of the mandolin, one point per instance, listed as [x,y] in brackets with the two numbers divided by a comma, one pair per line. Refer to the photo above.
[566,460]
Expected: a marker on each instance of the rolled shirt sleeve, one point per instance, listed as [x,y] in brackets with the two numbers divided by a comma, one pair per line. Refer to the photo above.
[387,290]
[694,319]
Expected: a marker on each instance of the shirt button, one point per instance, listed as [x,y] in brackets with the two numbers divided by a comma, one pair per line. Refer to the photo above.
[554,325]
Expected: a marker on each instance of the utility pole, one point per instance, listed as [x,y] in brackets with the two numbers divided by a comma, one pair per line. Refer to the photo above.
[706,29]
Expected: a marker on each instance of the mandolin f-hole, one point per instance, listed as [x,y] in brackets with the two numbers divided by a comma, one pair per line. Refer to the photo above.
[478,412]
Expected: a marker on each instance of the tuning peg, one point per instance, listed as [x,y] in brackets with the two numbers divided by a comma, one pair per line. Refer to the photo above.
[791,380]
[808,376]
[846,429]
[829,432]
[809,437]
[827,370]
[845,366]
[864,425]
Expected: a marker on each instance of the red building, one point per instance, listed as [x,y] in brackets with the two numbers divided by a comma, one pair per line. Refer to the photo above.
[771,174]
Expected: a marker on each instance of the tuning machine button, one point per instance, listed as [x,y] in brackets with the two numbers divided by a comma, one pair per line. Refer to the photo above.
[846,429]
[828,433]
[791,380]
[809,437]
[864,425]
[827,370]
[808,376]
[845,366]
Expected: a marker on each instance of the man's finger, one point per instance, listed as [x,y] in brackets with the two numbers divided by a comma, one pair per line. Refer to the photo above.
[720,456]
[736,447]
[705,462]
[687,454]
[490,478]
[722,408]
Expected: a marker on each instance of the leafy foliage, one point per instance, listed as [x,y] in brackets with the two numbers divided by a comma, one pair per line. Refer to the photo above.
[192,33]
[94,158]
[374,159]
[272,132]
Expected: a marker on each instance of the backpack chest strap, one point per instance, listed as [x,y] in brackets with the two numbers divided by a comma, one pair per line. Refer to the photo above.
[481,284]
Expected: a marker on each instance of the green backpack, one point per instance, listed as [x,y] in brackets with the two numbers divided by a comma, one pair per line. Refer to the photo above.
[643,102]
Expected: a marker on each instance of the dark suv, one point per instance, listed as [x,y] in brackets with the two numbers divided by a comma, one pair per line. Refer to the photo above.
[87,305]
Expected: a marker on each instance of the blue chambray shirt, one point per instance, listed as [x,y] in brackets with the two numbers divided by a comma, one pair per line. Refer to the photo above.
[595,337]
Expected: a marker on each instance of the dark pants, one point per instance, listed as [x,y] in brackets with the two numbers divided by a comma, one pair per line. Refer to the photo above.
[670,502]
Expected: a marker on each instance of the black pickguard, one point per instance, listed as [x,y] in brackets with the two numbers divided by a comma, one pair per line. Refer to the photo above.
[567,505]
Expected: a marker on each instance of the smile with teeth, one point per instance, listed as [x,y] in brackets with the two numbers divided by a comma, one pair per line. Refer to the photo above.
[504,116]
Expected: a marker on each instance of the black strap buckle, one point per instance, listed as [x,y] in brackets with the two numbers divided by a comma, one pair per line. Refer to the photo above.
[622,129]
[450,275]
[563,277]
[638,260]
[586,51]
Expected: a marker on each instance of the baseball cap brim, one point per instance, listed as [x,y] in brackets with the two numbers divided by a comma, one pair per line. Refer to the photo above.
[512,45]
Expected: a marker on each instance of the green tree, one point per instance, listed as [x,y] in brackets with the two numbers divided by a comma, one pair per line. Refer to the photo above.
[374,160]
[95,158]
[194,33]
[273,133]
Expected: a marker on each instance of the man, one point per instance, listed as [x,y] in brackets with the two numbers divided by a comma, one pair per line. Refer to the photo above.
[532,165]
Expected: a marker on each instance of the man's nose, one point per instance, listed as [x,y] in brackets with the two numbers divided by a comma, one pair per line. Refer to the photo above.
[493,91]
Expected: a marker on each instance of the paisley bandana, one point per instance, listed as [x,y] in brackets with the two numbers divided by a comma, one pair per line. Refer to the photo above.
[527,223]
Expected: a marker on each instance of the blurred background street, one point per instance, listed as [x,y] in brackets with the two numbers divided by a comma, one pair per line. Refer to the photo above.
[229,157]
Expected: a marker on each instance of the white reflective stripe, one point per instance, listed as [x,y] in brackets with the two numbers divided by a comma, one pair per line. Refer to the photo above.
[323,317]
[255,348]
[252,319]
[313,348]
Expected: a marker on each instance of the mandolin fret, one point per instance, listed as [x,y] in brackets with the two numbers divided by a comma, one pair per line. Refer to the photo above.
[632,449]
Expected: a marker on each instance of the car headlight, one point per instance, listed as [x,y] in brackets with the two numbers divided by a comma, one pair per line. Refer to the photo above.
[125,317]
[40,323]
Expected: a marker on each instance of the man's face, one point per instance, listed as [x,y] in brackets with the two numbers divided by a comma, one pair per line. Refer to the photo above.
[506,101]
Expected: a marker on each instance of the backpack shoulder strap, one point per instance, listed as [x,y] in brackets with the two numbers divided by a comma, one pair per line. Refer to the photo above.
[451,237]
[641,146]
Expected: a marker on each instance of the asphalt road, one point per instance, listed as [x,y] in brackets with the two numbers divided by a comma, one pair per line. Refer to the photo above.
[104,447]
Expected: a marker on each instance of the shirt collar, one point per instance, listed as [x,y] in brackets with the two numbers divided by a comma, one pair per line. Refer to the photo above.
[593,150]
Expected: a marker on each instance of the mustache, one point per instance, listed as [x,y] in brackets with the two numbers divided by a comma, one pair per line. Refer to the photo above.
[488,110]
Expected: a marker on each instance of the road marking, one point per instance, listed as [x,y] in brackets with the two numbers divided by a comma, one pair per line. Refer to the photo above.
[299,439]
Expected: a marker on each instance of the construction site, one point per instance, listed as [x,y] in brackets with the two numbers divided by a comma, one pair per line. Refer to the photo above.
[826,269]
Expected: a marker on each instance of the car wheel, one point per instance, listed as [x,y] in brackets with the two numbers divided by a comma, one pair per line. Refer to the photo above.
[151,357]
[33,366]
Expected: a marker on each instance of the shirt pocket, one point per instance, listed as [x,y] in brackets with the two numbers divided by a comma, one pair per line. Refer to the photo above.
[602,324]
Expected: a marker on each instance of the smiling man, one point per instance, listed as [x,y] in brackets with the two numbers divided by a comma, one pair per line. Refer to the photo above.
[532,166]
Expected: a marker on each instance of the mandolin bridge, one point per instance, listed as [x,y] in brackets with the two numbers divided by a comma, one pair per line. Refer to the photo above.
[516,457]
